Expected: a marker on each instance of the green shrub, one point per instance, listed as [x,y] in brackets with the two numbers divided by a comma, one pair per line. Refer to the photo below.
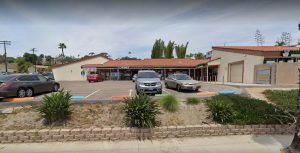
[55,107]
[252,111]
[221,112]
[141,111]
[169,103]
[287,100]
[193,100]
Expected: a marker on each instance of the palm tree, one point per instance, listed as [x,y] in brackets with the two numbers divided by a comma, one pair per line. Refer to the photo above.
[62,46]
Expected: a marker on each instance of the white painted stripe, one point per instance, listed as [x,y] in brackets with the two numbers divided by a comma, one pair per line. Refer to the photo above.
[92,93]
[166,91]
[130,92]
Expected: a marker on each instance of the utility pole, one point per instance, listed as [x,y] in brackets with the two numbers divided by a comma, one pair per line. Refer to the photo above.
[4,44]
[34,50]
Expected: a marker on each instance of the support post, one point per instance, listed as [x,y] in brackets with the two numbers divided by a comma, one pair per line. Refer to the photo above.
[206,73]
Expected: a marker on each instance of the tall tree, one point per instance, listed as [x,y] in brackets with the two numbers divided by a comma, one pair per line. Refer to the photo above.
[62,46]
[259,38]
[286,38]
[168,52]
[23,65]
[158,49]
[181,50]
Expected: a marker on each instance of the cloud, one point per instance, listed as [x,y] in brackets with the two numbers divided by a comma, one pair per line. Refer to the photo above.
[118,27]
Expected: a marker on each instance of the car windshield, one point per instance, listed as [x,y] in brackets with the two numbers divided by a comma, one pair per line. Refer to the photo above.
[147,75]
[6,77]
[183,77]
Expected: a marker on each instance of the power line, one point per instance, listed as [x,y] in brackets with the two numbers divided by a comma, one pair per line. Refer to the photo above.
[4,45]
[34,60]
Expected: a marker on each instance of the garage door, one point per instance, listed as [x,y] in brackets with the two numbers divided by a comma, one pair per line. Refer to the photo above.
[236,72]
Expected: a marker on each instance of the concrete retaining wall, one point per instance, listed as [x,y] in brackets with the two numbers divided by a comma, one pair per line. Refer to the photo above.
[97,134]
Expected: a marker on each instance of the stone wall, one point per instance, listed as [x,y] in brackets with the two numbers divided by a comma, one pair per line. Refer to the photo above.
[98,134]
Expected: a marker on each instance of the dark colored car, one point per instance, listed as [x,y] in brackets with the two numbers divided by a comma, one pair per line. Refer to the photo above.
[26,85]
[94,77]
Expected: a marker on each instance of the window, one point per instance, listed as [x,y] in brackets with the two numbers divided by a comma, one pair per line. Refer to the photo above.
[183,77]
[23,78]
[170,76]
[41,78]
[32,78]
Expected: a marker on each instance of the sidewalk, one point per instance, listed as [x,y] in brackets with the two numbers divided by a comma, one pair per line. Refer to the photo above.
[218,144]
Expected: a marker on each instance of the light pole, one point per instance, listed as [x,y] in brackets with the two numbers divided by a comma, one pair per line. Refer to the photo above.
[4,44]
[34,59]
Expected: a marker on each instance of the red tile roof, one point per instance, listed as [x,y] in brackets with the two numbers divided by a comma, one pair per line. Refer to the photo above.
[149,63]
[256,48]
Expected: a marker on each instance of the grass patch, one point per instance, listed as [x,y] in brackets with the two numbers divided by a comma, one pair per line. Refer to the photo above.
[240,110]
[193,101]
[169,103]
[286,100]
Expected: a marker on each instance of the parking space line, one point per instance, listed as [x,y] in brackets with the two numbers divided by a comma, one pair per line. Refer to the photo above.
[165,91]
[92,93]
[130,92]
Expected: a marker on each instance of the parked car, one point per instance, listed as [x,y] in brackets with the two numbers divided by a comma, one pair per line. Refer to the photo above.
[94,77]
[49,75]
[134,77]
[26,85]
[182,82]
[147,81]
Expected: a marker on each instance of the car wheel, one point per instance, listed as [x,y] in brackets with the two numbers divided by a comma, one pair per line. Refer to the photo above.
[29,92]
[55,88]
[178,88]
[21,93]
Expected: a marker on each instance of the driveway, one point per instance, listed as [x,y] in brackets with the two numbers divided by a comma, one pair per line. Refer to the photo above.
[217,144]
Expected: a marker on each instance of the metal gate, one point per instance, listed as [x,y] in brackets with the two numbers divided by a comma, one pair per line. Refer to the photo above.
[263,76]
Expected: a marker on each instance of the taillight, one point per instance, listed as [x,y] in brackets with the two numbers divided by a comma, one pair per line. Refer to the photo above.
[5,85]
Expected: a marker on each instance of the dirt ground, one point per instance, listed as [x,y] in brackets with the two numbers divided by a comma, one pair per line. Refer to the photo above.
[101,115]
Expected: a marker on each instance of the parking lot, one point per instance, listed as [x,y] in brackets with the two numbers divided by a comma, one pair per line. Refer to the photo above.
[107,90]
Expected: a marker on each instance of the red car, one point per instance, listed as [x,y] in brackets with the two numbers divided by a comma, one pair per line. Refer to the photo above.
[94,77]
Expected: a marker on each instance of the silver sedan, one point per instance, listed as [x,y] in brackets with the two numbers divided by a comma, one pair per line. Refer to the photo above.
[182,82]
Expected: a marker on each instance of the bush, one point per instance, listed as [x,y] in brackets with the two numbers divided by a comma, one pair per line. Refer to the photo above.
[55,107]
[193,100]
[221,112]
[169,103]
[141,111]
[287,100]
[250,111]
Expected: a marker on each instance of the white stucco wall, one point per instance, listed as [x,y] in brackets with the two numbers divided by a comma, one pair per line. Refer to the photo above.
[72,72]
[229,57]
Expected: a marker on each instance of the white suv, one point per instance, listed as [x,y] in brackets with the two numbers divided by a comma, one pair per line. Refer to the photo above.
[148,81]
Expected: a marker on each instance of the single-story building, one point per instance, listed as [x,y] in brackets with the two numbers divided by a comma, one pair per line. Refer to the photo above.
[72,71]
[125,69]
[241,64]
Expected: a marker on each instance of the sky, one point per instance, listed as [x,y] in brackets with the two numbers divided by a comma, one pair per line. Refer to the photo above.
[121,26]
